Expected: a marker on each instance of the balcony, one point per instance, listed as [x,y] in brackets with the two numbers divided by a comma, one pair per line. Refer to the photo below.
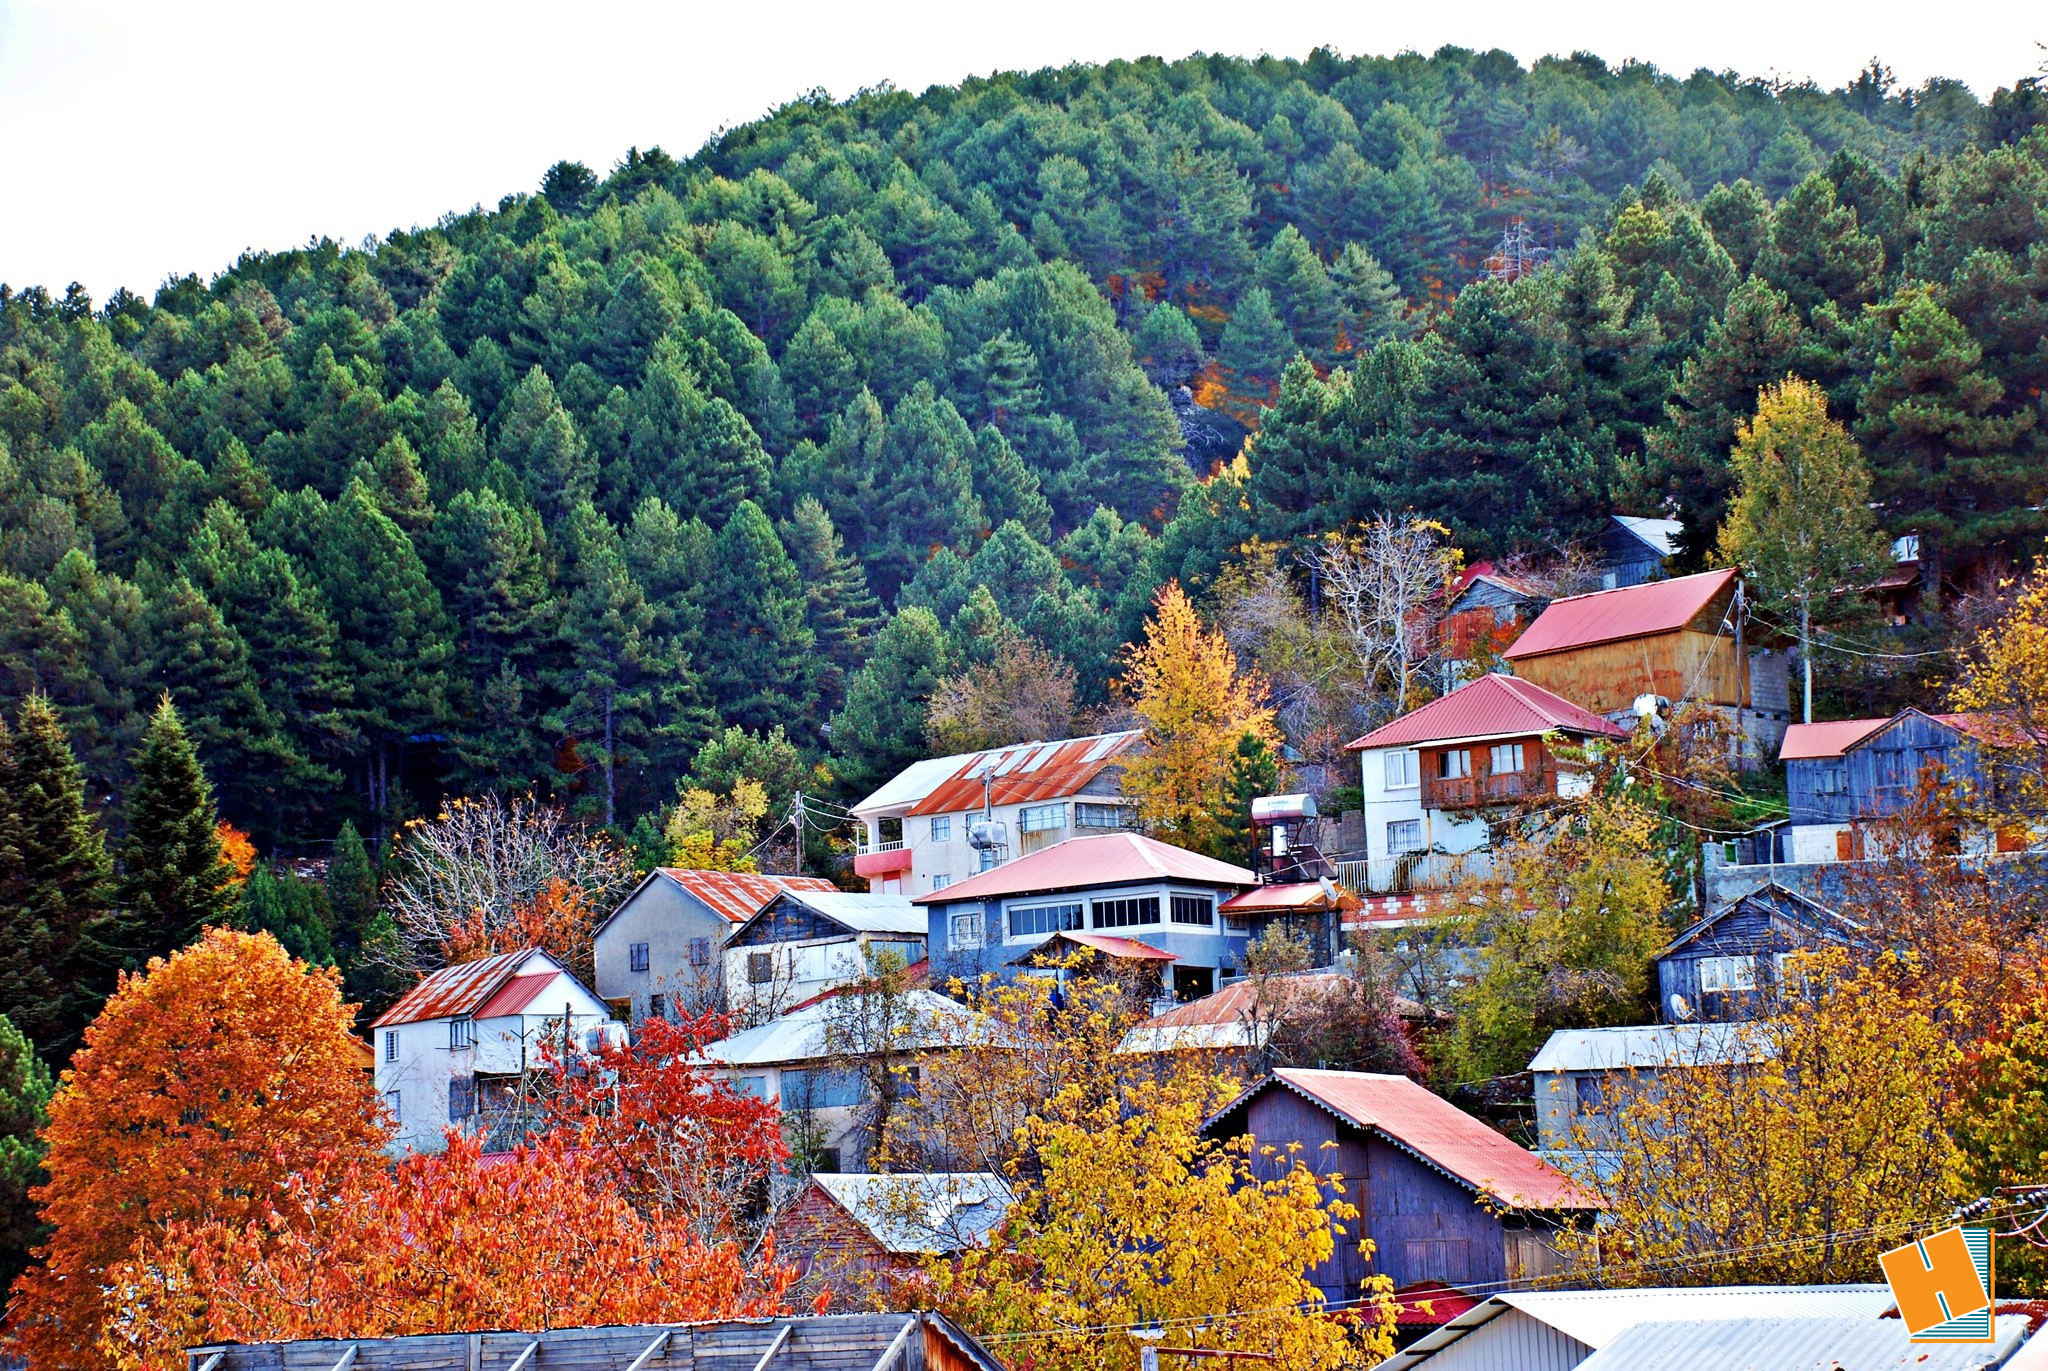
[1475,792]
[862,847]
[1409,872]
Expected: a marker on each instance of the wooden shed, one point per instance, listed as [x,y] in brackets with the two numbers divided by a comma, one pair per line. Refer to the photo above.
[1720,968]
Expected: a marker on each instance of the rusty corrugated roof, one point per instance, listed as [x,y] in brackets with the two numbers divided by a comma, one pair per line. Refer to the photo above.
[1101,859]
[1435,1131]
[739,895]
[1494,706]
[1608,616]
[517,993]
[1108,944]
[1027,772]
[1806,742]
[454,991]
[1293,895]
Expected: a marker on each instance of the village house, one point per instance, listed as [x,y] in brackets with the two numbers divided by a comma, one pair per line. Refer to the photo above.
[457,1049]
[662,951]
[812,1060]
[944,819]
[843,1228]
[1842,776]
[1582,1074]
[1634,550]
[1485,610]
[1443,1198]
[1662,644]
[1725,965]
[1146,897]
[805,941]
[1433,776]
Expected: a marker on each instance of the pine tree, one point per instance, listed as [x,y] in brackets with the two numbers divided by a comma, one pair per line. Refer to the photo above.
[758,663]
[399,486]
[1303,297]
[351,888]
[1254,772]
[925,487]
[173,881]
[539,442]
[292,910]
[1007,488]
[1256,347]
[696,451]
[1818,252]
[25,1090]
[1168,346]
[505,613]
[1297,455]
[54,878]
[1372,308]
[881,730]
[841,611]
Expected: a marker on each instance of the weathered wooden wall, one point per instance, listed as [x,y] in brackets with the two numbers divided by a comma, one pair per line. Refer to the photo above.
[1607,677]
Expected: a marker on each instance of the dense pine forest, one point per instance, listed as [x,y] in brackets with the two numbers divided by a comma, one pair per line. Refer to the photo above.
[546,497]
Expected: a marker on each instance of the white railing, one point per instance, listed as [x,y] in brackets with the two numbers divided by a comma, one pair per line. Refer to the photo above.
[1412,871]
[862,846]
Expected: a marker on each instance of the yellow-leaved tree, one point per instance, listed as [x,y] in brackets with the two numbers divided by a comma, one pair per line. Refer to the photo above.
[2006,675]
[1195,705]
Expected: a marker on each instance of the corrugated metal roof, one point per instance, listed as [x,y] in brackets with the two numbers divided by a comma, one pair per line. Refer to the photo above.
[800,1035]
[1233,1017]
[1644,1045]
[1494,706]
[923,1212]
[1806,742]
[908,786]
[1097,860]
[517,993]
[1659,535]
[1292,895]
[1026,772]
[1607,616]
[455,991]
[865,911]
[1108,944]
[1438,1132]
[1795,1344]
[740,895]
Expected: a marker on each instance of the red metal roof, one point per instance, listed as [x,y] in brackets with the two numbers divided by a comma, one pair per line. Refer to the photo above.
[1100,859]
[1295,895]
[1431,1304]
[1238,999]
[456,990]
[1027,772]
[1438,1132]
[517,993]
[1804,742]
[1608,616]
[1109,945]
[1494,706]
[740,895]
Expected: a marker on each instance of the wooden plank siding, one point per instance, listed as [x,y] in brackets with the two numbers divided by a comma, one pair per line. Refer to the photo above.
[850,1341]
[1606,678]
[1537,778]
[787,921]
[1882,772]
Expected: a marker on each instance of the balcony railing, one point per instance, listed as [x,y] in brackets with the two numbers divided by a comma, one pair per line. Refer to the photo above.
[1409,872]
[862,846]
[1468,792]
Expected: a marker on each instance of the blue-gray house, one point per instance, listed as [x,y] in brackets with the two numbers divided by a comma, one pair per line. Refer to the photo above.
[1718,969]
[1131,895]
[1846,773]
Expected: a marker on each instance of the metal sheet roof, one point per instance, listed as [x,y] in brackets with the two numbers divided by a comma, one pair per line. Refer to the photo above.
[1291,895]
[1607,616]
[455,991]
[1026,772]
[1108,944]
[913,783]
[1644,1045]
[1233,1017]
[800,1035]
[1431,1128]
[1659,535]
[740,895]
[1494,706]
[923,1212]
[1097,860]
[1795,1344]
[1805,742]
[865,911]
[517,993]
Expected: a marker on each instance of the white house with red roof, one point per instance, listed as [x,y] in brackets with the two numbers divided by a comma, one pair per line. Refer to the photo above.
[662,950]
[1128,896]
[1433,776]
[944,819]
[454,1050]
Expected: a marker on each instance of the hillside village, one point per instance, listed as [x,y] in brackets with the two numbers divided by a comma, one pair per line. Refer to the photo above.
[1335,729]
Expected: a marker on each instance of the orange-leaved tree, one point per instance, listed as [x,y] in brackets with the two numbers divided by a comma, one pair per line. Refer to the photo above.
[205,1081]
[455,1241]
[559,918]
[1195,705]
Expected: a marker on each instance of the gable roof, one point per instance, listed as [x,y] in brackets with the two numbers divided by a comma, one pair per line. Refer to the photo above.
[1096,860]
[460,991]
[1800,1340]
[1644,1047]
[1493,575]
[866,911]
[1781,900]
[735,896]
[1608,616]
[1494,706]
[1811,742]
[1026,772]
[1108,944]
[1432,1130]
[920,1213]
[801,1035]
[1658,536]
[1241,1014]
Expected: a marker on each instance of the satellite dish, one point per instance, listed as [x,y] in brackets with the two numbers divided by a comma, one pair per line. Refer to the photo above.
[1681,1012]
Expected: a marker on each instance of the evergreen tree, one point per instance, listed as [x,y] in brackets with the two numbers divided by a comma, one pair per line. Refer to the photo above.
[1168,346]
[399,486]
[881,730]
[351,888]
[1297,455]
[841,611]
[1301,292]
[1254,772]
[758,645]
[1007,488]
[925,487]
[1256,346]
[25,1090]
[173,880]
[538,441]
[1370,304]
[506,618]
[54,878]
[696,451]
[289,909]
[1818,252]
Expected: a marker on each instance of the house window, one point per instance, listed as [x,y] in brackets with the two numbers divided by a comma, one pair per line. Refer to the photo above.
[1100,816]
[657,1006]
[1038,919]
[461,1034]
[760,968]
[391,1045]
[636,957]
[1507,758]
[941,882]
[1592,1094]
[1402,773]
[700,952]
[1041,818]
[963,933]
[822,1088]
[827,1161]
[1893,773]
[461,1099]
[1454,765]
[942,828]
[1404,835]
[1198,910]
[1832,779]
[391,1106]
[1127,913]
[753,1087]
[1727,974]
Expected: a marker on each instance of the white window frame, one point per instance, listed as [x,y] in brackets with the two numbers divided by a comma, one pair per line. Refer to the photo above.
[393,1102]
[1460,770]
[1394,849]
[1728,975]
[461,1033]
[1078,907]
[1514,753]
[942,828]
[1178,900]
[1404,769]
[1031,818]
[390,1044]
[966,932]
[941,882]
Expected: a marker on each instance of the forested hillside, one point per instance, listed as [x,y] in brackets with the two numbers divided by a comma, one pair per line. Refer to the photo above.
[781,435]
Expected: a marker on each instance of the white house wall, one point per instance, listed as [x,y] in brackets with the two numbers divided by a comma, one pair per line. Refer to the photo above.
[954,860]
[666,917]
[1442,831]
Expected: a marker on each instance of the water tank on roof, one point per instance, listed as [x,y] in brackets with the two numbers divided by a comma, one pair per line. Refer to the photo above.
[984,834]
[1282,809]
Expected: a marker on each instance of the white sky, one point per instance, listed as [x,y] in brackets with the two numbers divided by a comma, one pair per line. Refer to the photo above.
[142,139]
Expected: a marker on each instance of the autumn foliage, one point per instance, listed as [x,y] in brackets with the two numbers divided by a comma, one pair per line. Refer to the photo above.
[204,1083]
[236,850]
[559,919]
